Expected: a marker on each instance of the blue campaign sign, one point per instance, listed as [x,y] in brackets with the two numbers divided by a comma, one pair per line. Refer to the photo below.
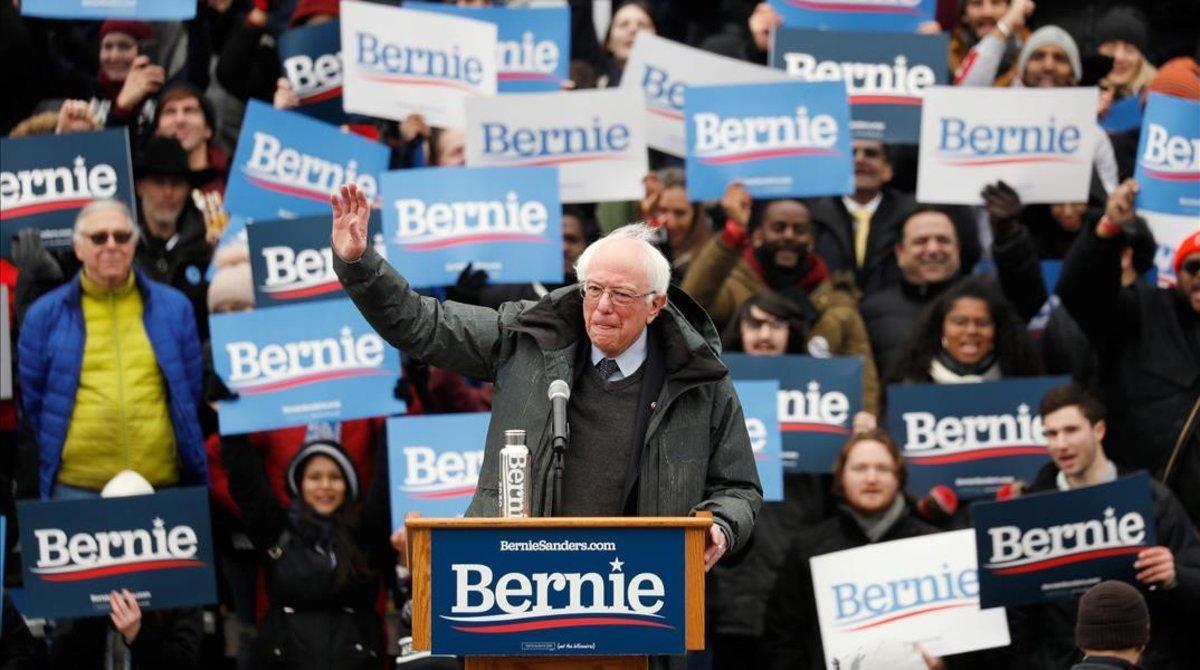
[1168,158]
[760,406]
[287,164]
[507,221]
[434,463]
[533,43]
[779,139]
[291,260]
[816,404]
[311,59]
[45,180]
[75,552]
[145,10]
[1124,114]
[1048,546]
[884,74]
[300,363]
[902,16]
[972,437]
[557,592]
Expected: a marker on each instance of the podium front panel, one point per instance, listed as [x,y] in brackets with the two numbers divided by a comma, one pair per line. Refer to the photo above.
[557,591]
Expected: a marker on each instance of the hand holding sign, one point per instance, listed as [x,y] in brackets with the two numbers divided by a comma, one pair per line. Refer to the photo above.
[285,97]
[1156,567]
[126,615]
[350,214]
[144,80]
[1119,210]
[762,21]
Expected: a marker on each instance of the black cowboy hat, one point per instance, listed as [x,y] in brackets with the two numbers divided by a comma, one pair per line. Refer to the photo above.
[164,156]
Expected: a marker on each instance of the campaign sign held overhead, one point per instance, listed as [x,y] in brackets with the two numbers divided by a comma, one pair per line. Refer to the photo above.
[291,260]
[533,44]
[45,180]
[972,437]
[144,10]
[158,546]
[300,363]
[1039,141]
[286,165]
[558,592]
[779,139]
[597,139]
[902,16]
[920,589]
[760,400]
[817,401]
[1058,544]
[885,75]
[1168,158]
[434,463]
[507,221]
[399,62]
[662,69]
[311,57]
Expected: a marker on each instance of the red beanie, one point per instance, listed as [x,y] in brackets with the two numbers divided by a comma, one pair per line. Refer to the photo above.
[138,30]
[1179,77]
[305,9]
[1190,245]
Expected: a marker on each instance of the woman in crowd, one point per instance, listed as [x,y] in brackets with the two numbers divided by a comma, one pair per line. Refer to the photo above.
[686,226]
[1122,34]
[767,324]
[630,18]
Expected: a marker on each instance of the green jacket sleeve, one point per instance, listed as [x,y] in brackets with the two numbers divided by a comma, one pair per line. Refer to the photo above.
[731,491]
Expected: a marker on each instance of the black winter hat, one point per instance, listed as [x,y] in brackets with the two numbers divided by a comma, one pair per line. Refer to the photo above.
[165,156]
[334,451]
[1126,24]
[1112,615]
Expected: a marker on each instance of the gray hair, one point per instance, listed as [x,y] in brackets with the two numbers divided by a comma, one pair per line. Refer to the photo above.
[104,205]
[657,268]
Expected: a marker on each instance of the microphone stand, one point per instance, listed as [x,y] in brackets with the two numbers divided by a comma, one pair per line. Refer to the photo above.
[559,444]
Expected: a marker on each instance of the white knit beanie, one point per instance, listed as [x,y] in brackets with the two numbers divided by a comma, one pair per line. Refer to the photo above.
[1057,37]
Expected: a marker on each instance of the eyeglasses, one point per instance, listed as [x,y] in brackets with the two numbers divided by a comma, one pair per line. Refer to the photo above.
[619,296]
[755,323]
[100,237]
[1191,266]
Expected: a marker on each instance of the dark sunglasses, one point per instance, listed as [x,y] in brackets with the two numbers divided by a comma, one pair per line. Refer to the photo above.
[1191,266]
[101,237]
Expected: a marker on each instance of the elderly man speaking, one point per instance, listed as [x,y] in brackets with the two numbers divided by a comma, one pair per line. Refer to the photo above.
[656,428]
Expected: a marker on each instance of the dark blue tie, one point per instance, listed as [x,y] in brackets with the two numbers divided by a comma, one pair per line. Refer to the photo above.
[607,367]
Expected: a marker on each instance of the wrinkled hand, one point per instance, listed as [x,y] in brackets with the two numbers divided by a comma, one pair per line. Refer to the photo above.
[30,256]
[714,546]
[1119,209]
[649,204]
[144,80]
[75,116]
[1003,206]
[761,22]
[350,214]
[469,285]
[412,126]
[737,204]
[126,615]
[285,97]
[1156,567]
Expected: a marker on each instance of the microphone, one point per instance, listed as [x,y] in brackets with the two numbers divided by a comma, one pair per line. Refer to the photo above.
[559,394]
[939,505]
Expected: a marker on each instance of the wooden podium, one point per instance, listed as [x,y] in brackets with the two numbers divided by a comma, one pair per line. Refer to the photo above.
[425,534]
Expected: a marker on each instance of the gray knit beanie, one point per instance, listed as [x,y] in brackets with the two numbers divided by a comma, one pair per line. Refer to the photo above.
[1055,36]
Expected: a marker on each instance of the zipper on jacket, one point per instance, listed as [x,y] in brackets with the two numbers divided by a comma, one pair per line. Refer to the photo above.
[124,425]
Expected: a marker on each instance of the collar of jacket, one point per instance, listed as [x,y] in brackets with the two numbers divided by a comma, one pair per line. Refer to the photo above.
[926,292]
[74,293]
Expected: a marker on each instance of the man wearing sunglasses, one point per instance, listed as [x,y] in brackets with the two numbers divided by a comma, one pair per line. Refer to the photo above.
[110,369]
[1148,340]
[655,426]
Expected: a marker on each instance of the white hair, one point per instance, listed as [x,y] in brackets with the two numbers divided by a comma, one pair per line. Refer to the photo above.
[104,205]
[657,268]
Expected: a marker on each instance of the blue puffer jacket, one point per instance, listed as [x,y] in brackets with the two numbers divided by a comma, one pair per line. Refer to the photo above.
[51,354]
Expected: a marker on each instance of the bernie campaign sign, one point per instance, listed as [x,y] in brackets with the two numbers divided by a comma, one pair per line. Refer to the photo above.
[45,181]
[507,221]
[434,463]
[286,165]
[143,10]
[1054,545]
[817,401]
[399,62]
[759,405]
[291,260]
[663,69]
[1040,141]
[779,139]
[972,437]
[920,589]
[558,592]
[301,363]
[533,44]
[1168,157]
[902,16]
[311,58]
[885,75]
[596,138]
[75,552]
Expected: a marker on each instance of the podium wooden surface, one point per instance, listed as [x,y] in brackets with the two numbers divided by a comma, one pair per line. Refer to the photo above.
[695,530]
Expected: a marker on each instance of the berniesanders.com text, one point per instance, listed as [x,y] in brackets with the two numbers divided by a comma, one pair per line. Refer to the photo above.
[547,545]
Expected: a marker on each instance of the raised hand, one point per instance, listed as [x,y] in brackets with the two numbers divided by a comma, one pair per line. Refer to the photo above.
[350,213]
[126,615]
[1119,210]
[737,203]
[144,80]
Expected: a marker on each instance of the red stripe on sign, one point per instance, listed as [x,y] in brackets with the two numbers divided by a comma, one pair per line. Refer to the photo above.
[143,566]
[767,153]
[319,289]
[906,615]
[448,493]
[884,100]
[669,113]
[561,623]
[978,162]
[297,191]
[42,207]
[977,454]
[847,7]
[415,81]
[525,76]
[1067,560]
[472,239]
[1172,176]
[793,427]
[309,379]
[322,96]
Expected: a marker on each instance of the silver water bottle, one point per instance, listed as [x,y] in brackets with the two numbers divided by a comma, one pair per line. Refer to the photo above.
[514,475]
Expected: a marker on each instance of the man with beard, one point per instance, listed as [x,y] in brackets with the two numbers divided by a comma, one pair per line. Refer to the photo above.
[775,251]
[172,249]
[984,46]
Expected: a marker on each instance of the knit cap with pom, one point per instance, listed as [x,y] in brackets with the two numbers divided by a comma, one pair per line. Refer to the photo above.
[231,283]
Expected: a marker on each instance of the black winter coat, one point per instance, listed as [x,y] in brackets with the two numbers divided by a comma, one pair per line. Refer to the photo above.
[833,232]
[1044,635]
[312,623]
[181,263]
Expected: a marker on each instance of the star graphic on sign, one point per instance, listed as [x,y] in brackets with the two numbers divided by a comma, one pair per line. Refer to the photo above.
[1109,510]
[616,564]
